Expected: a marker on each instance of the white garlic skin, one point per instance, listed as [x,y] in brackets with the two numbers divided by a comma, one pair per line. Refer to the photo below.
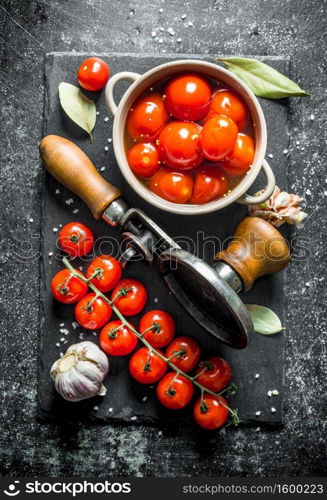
[80,372]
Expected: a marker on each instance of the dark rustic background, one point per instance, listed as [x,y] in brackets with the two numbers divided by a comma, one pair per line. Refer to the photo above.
[31,28]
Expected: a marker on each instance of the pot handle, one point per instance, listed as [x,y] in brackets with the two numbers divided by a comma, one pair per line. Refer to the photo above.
[124,75]
[247,199]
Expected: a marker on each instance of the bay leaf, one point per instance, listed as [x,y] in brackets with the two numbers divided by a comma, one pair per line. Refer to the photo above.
[80,109]
[265,321]
[263,80]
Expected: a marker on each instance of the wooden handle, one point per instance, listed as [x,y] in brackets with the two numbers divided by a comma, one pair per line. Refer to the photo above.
[257,249]
[67,163]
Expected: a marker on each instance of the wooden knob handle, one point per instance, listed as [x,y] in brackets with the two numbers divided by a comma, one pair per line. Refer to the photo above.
[257,249]
[67,163]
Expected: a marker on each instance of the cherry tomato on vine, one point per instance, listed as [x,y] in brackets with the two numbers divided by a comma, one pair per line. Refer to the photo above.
[188,97]
[92,312]
[179,145]
[108,272]
[241,156]
[93,74]
[67,288]
[129,296]
[172,186]
[211,412]
[187,353]
[218,137]
[210,183]
[146,118]
[175,391]
[163,328]
[146,367]
[143,158]
[76,239]
[229,104]
[215,373]
[116,339]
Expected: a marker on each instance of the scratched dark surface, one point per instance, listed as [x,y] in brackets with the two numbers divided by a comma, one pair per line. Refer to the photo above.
[29,30]
[124,399]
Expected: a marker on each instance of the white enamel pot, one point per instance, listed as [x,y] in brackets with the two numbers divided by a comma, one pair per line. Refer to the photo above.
[140,84]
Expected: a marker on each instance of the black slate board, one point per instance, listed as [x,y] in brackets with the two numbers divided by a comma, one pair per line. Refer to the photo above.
[125,398]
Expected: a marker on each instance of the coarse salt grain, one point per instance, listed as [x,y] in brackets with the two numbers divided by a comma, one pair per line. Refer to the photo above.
[62,339]
[144,398]
[161,11]
[106,148]
[156,300]
[50,254]
[110,410]
[61,354]
[57,191]
[74,325]
[269,394]
[285,151]
[161,28]
[102,169]
[134,418]
[258,413]
[257,375]
[273,410]
[153,34]
[30,220]
[109,140]
[75,211]
[64,331]
[55,229]
[95,408]
[106,119]
[69,201]
[312,117]
[178,40]
[160,433]
[81,336]
[160,40]
[190,23]
[62,324]
[270,155]
[183,16]
[57,344]
[98,112]
[275,392]
[94,334]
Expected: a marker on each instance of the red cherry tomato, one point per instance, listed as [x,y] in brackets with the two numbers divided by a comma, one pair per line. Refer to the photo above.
[229,104]
[210,183]
[214,374]
[187,353]
[188,97]
[129,296]
[241,157]
[93,74]
[175,391]
[143,158]
[179,145]
[92,312]
[172,186]
[108,271]
[218,137]
[211,412]
[146,367]
[76,239]
[163,328]
[67,288]
[116,339]
[146,118]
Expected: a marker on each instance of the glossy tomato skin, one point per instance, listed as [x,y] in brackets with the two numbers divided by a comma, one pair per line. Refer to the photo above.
[129,296]
[172,186]
[67,288]
[238,161]
[146,367]
[210,183]
[218,137]
[229,104]
[143,158]
[92,313]
[189,356]
[116,339]
[163,330]
[188,97]
[211,413]
[76,239]
[179,145]
[93,74]
[215,374]
[146,118]
[174,392]
[109,270]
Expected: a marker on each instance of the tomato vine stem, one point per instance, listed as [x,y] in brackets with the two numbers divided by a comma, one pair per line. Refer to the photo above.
[231,387]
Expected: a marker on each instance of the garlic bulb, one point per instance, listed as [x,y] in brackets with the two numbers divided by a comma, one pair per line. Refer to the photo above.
[279,208]
[80,372]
